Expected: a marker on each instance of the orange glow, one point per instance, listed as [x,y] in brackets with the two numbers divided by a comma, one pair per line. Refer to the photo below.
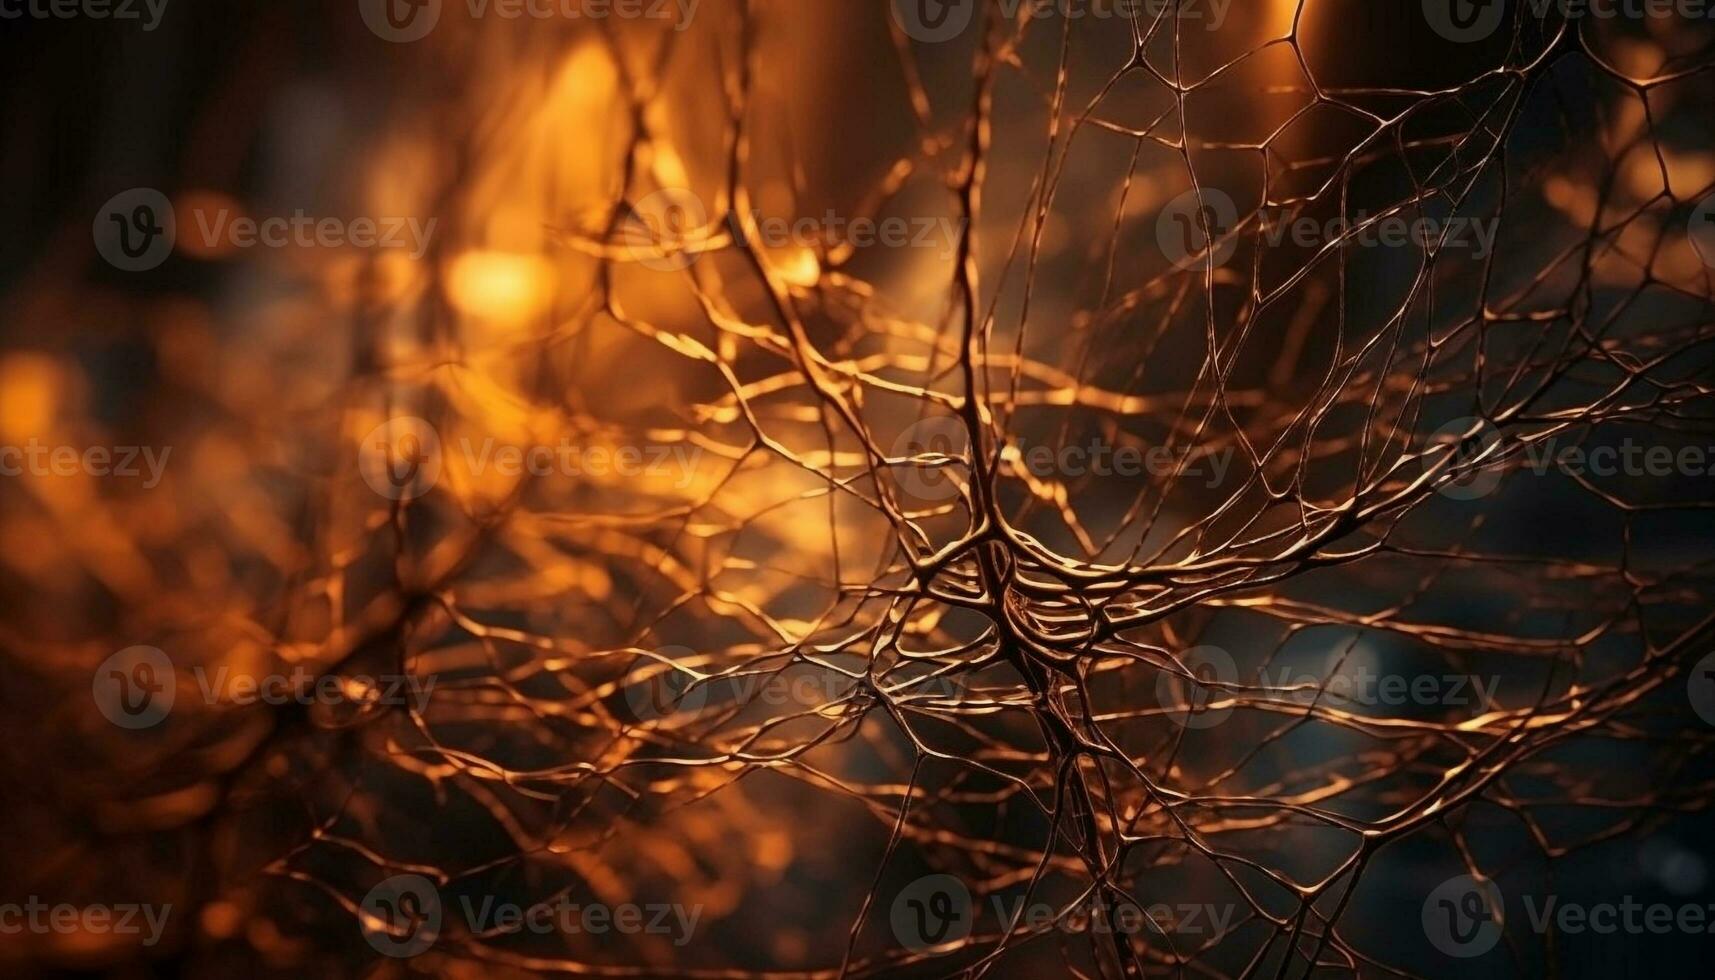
[499,286]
